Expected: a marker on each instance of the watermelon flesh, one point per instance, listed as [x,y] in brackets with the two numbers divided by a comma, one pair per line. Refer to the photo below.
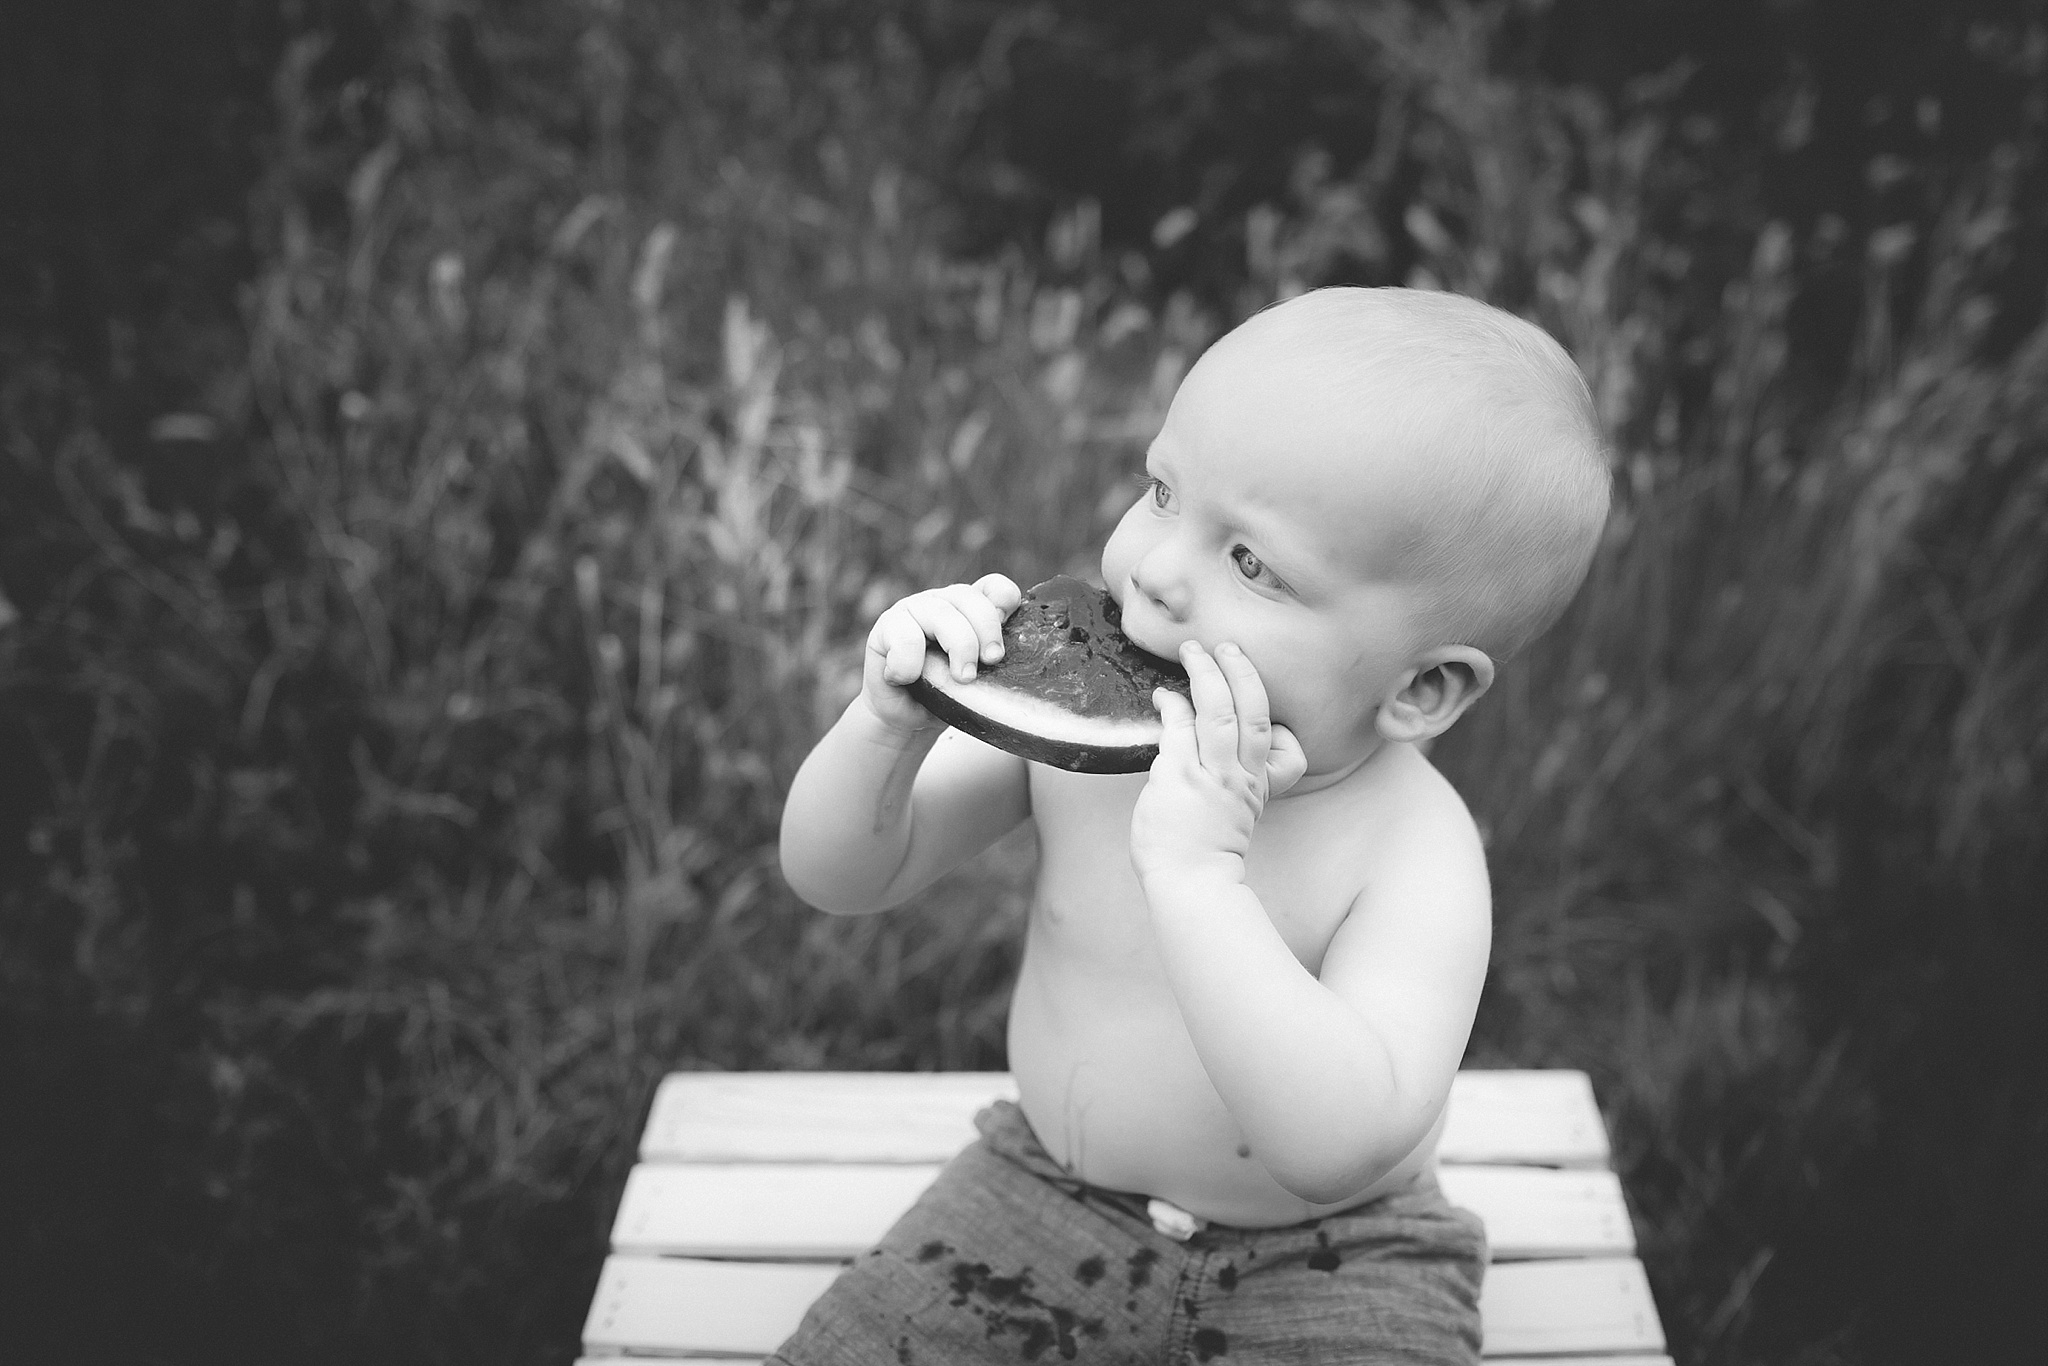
[1071,690]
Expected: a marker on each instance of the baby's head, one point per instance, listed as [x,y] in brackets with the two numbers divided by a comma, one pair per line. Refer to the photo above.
[1473,421]
[1415,477]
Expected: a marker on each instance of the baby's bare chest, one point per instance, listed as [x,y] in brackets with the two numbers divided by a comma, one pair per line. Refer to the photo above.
[1307,864]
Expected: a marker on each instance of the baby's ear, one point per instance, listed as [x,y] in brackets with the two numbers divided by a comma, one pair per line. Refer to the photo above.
[1434,693]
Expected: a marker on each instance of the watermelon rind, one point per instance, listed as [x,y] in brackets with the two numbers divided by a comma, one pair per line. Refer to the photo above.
[1033,728]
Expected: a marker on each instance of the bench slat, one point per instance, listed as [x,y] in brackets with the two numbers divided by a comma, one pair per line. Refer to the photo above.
[1586,1305]
[825,1211]
[1542,1117]
[1546,1118]
[675,1306]
[817,1116]
[764,1209]
[1533,1212]
[1631,1359]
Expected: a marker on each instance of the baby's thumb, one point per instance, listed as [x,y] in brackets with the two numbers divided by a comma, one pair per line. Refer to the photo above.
[1285,763]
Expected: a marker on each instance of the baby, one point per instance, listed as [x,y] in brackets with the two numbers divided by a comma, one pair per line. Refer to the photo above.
[1250,973]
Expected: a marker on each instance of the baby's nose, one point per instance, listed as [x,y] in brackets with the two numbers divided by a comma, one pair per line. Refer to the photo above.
[1154,577]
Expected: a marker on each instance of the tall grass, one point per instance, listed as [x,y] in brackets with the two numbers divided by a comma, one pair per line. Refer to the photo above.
[410,749]
[585,438]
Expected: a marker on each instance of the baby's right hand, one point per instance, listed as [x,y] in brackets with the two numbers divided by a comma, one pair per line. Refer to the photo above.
[966,620]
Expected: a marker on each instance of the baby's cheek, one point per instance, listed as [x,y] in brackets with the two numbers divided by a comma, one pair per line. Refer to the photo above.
[1308,718]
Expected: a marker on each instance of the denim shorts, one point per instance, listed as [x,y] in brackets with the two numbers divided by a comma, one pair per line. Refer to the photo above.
[1008,1257]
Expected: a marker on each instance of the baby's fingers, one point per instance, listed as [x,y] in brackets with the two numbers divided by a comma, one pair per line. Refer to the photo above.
[1285,762]
[1215,710]
[1248,698]
[1177,725]
[899,643]
[1001,590]
[983,613]
[949,617]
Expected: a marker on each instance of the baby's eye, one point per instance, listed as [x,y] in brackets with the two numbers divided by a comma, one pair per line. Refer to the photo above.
[1252,567]
[1162,496]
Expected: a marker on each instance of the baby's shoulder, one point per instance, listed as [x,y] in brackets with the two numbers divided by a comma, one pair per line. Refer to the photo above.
[1400,809]
[1391,852]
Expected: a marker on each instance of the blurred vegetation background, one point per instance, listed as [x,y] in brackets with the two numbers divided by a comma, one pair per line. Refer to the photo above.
[452,452]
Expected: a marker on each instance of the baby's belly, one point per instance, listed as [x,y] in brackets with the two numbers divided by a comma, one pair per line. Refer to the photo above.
[1113,1088]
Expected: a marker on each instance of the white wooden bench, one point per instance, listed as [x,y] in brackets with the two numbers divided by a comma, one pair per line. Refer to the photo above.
[753,1189]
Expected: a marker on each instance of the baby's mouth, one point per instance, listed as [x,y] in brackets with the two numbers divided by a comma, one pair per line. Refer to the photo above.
[1136,633]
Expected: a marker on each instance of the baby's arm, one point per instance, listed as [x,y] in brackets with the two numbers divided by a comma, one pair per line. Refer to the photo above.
[890,799]
[1333,1080]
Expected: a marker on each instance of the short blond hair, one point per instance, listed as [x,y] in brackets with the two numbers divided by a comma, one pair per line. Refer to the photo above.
[1521,493]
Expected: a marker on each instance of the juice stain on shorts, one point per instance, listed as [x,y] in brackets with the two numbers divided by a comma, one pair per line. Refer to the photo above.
[1007,1305]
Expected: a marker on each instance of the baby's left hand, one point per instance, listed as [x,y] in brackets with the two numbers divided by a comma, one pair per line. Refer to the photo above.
[1220,759]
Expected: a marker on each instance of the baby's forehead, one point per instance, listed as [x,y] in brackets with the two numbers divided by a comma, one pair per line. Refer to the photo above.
[1369,465]
[1341,421]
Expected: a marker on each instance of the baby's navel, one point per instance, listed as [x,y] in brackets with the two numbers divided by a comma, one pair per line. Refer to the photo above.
[1244,1150]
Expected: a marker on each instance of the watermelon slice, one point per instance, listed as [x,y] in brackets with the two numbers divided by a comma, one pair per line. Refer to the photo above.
[1070,690]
